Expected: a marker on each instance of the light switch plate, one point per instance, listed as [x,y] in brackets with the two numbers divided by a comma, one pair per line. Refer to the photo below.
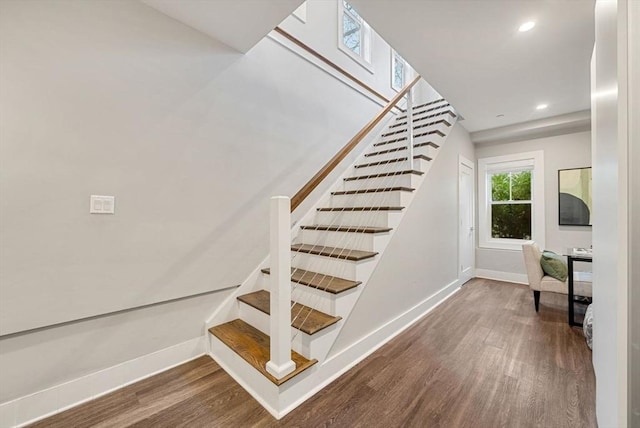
[100,204]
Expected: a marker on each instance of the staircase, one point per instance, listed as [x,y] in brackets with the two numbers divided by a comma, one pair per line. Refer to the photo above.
[334,252]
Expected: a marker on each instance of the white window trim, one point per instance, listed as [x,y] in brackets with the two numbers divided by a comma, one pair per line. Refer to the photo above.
[367,42]
[535,160]
[395,55]
[301,13]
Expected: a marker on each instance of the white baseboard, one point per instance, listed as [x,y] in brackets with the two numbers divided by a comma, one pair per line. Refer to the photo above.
[518,278]
[42,404]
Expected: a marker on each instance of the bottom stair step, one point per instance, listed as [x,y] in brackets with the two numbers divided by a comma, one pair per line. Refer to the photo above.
[253,346]
[304,318]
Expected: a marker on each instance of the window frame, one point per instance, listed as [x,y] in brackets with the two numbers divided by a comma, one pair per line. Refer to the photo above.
[366,38]
[396,58]
[511,163]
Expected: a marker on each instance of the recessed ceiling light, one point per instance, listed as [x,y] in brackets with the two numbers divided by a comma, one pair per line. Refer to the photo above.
[541,106]
[526,26]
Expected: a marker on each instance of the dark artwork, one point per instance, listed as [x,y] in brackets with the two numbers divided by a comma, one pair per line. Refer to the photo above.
[574,197]
[573,210]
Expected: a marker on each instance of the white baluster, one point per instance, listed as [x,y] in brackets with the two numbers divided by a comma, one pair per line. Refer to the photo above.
[280,363]
[410,126]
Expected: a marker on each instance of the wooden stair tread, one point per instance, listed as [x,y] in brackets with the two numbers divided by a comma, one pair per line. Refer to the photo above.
[338,253]
[374,190]
[328,283]
[397,149]
[421,118]
[352,229]
[361,209]
[385,174]
[304,318]
[253,346]
[416,113]
[422,125]
[416,135]
[439,100]
[384,162]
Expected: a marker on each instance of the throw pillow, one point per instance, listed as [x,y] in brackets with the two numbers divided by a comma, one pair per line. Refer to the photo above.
[553,265]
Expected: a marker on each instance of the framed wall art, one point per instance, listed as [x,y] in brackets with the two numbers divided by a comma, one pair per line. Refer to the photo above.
[574,197]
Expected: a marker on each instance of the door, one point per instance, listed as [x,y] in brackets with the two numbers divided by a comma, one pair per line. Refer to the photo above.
[466,222]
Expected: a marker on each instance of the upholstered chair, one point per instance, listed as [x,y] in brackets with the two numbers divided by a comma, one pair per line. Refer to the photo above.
[538,281]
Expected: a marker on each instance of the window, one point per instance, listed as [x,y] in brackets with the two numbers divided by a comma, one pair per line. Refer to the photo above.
[512,190]
[398,71]
[354,35]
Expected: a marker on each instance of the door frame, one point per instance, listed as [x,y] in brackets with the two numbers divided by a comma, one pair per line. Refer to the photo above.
[463,161]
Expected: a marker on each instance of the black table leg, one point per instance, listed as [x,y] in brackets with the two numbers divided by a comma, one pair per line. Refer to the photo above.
[570,294]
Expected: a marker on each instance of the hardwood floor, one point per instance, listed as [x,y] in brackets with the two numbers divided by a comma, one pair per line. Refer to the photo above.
[483,358]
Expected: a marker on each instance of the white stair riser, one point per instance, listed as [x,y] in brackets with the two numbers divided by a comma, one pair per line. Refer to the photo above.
[309,346]
[431,138]
[403,180]
[332,266]
[377,199]
[426,111]
[423,150]
[440,126]
[358,218]
[261,321]
[354,241]
[385,167]
[312,297]
[427,115]
[418,164]
[329,303]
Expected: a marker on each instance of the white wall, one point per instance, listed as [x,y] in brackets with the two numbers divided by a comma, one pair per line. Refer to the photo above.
[609,86]
[116,98]
[634,215]
[560,152]
[422,258]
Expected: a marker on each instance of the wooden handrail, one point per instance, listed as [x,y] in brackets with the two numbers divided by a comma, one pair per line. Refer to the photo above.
[330,63]
[329,166]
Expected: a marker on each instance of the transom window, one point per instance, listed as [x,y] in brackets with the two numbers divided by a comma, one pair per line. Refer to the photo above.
[511,194]
[398,71]
[354,35]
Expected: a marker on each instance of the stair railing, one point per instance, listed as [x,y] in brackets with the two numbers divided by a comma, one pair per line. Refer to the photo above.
[280,363]
[390,182]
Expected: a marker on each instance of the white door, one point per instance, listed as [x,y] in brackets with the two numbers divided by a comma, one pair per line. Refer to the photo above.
[467,220]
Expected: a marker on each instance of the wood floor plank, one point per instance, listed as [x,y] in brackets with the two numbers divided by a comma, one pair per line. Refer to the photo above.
[445,371]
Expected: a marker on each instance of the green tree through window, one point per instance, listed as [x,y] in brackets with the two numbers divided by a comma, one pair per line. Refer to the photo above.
[511,205]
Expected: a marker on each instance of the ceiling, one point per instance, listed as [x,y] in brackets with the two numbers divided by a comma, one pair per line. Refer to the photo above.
[238,24]
[473,54]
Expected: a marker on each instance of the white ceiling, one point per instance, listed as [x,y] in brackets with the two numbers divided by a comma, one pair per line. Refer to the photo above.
[472,53]
[238,24]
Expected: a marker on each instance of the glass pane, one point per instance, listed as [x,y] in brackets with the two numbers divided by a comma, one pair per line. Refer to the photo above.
[398,73]
[511,221]
[500,187]
[350,8]
[351,33]
[521,186]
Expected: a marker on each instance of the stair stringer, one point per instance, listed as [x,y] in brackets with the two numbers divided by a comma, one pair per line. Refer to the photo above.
[280,400]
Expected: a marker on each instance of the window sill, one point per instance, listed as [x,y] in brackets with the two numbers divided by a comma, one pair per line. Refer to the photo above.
[363,63]
[504,244]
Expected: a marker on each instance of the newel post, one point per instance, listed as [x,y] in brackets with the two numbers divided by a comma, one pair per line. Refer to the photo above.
[280,363]
[410,126]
